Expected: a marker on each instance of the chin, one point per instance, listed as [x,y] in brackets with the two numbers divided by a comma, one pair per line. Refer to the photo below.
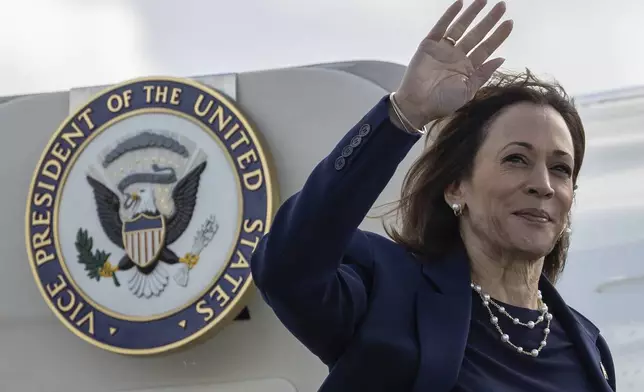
[537,239]
[536,246]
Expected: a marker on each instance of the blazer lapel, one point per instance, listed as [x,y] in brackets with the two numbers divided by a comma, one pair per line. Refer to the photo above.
[584,340]
[443,310]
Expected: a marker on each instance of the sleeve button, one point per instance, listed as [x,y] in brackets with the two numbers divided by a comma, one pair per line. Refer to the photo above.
[339,163]
[347,151]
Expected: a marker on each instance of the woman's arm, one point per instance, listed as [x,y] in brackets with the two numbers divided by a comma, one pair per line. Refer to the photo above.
[313,267]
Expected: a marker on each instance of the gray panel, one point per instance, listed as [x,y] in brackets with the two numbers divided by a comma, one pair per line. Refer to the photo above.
[27,123]
[385,75]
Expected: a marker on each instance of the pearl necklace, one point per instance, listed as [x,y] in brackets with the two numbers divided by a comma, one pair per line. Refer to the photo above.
[505,338]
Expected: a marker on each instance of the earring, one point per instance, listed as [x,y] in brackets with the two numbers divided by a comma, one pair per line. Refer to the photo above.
[458,209]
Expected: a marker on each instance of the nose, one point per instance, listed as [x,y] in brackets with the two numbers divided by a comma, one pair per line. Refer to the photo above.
[539,183]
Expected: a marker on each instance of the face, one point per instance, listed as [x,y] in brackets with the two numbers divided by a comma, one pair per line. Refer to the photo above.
[521,188]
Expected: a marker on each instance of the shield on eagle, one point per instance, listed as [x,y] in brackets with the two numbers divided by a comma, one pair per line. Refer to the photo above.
[143,238]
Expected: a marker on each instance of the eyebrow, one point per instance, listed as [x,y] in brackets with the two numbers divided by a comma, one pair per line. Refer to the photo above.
[531,147]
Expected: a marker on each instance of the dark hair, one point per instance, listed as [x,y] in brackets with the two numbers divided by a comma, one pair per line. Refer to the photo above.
[427,224]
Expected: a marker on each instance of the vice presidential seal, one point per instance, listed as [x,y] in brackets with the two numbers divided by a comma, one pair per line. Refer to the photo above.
[143,214]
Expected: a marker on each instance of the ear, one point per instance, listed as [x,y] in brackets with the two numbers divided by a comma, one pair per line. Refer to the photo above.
[454,194]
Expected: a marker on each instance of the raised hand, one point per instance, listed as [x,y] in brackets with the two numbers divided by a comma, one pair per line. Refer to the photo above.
[450,65]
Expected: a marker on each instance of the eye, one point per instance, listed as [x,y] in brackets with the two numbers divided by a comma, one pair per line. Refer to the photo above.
[564,169]
[515,158]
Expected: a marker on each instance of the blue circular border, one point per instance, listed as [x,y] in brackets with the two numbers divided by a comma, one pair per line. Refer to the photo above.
[148,335]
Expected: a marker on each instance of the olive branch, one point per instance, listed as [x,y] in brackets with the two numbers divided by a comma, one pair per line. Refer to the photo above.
[94,262]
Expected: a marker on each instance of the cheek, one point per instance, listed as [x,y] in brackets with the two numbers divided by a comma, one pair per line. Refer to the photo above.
[564,200]
[492,203]
[489,217]
[489,198]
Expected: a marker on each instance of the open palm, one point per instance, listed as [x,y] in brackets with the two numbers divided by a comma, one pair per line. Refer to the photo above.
[441,76]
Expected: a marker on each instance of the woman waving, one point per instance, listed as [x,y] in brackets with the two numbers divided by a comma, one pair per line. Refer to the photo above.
[460,297]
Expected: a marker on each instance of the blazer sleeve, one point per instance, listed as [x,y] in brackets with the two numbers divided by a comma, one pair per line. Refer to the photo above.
[607,361]
[313,267]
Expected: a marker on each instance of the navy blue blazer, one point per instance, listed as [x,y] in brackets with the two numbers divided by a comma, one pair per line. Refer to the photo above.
[379,318]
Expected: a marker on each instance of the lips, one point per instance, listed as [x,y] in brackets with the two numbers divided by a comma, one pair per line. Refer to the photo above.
[534,215]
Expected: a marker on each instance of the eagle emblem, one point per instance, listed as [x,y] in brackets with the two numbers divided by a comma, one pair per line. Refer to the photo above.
[133,219]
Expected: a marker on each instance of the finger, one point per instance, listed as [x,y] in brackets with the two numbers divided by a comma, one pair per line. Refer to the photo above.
[457,30]
[484,73]
[476,35]
[438,31]
[485,50]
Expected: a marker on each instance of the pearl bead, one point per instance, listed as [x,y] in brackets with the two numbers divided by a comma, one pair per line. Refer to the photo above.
[548,316]
[546,331]
[494,319]
[543,343]
[520,349]
[486,297]
[505,338]
[501,309]
[477,288]
[540,318]
[486,303]
[516,321]
[534,352]
[530,324]
[539,294]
